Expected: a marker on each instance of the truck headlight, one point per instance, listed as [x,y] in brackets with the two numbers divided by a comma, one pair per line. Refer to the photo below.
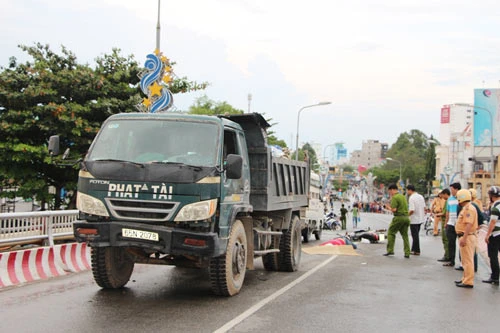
[90,205]
[197,211]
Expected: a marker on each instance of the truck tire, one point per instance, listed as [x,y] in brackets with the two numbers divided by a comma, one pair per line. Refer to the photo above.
[270,260]
[306,234]
[227,272]
[111,267]
[290,247]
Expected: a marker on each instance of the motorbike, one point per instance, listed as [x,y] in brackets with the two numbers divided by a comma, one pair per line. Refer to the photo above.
[331,222]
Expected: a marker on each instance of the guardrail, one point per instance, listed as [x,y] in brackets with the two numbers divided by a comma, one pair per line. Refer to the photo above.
[34,227]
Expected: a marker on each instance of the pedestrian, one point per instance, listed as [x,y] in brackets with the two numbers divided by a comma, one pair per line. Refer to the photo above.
[355,213]
[437,207]
[343,217]
[493,235]
[466,228]
[445,194]
[416,210]
[452,212]
[400,222]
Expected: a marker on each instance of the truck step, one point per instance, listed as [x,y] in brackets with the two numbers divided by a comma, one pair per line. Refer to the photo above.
[262,252]
[266,232]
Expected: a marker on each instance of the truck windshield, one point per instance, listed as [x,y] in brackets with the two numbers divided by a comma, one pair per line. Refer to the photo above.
[157,141]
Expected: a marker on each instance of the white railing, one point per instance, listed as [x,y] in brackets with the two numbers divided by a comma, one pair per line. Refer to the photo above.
[36,227]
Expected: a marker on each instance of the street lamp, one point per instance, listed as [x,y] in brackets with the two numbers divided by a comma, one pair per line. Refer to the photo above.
[298,116]
[391,159]
[492,161]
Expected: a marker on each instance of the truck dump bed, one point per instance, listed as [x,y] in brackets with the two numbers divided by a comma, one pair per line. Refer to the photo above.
[276,183]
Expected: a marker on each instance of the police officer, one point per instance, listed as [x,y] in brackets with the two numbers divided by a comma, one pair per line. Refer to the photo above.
[466,228]
[400,222]
[493,234]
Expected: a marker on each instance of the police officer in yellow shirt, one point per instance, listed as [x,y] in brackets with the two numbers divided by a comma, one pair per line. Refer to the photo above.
[466,228]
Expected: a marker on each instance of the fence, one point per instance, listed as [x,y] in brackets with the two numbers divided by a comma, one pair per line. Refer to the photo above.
[36,227]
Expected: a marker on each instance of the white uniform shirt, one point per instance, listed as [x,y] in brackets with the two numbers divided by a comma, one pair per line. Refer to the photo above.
[417,205]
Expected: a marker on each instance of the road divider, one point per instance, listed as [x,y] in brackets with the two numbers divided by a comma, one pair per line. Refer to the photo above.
[17,267]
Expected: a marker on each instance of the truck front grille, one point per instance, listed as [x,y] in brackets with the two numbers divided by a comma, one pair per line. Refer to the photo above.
[141,210]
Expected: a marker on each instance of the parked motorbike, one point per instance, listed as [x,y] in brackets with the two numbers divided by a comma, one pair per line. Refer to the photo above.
[331,221]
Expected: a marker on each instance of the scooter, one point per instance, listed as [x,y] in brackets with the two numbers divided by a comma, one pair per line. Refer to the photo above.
[331,221]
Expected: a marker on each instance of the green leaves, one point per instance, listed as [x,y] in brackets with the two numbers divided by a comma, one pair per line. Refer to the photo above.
[54,94]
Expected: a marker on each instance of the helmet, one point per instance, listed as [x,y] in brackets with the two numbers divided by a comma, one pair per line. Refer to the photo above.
[473,192]
[464,195]
[494,191]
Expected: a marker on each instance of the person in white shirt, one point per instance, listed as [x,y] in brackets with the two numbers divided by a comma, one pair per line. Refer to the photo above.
[416,210]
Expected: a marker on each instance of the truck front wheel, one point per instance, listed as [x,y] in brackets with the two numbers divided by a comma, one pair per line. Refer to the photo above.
[290,247]
[227,272]
[111,266]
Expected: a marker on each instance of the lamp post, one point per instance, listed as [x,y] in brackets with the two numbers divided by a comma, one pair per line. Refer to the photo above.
[400,175]
[492,160]
[298,116]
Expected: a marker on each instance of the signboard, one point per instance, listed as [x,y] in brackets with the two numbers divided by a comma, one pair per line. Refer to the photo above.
[445,114]
[486,109]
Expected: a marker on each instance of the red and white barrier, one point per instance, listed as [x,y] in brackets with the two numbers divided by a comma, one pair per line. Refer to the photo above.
[41,263]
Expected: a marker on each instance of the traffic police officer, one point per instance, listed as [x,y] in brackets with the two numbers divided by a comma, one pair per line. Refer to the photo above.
[466,228]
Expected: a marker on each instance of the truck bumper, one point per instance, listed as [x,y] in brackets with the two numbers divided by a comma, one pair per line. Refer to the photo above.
[170,241]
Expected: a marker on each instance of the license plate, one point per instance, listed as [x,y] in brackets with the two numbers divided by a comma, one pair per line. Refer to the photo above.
[139,234]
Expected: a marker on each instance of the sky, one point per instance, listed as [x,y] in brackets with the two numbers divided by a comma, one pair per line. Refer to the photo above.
[386,66]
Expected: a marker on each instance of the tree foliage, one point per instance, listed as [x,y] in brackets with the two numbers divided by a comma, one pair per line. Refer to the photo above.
[417,157]
[54,94]
[206,106]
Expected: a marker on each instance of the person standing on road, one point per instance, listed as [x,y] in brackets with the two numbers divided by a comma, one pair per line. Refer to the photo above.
[400,222]
[493,235]
[445,194]
[416,206]
[466,228]
[437,207]
[451,219]
[355,212]
[343,217]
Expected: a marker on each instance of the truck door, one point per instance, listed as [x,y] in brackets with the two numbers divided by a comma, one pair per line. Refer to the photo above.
[234,188]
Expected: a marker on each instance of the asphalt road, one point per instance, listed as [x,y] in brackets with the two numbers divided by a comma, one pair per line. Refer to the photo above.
[362,293]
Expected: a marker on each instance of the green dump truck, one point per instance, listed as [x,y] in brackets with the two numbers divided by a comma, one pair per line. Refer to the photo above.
[189,190]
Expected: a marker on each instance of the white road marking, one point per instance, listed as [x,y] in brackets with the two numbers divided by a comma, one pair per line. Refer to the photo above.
[270,298]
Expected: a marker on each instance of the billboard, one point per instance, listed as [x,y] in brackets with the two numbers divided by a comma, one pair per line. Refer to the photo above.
[486,104]
[445,114]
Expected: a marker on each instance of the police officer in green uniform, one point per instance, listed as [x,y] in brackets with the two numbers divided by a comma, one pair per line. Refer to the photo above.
[400,221]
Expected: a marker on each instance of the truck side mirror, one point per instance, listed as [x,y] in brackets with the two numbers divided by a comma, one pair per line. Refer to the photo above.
[234,166]
[54,145]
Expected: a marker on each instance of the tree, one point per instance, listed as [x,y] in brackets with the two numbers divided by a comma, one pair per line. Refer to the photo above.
[206,106]
[311,153]
[411,149]
[53,94]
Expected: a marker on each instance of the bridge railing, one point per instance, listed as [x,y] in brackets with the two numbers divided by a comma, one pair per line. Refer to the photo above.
[36,227]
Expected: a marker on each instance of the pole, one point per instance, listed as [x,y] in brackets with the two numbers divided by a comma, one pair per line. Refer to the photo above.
[297,135]
[298,117]
[158,30]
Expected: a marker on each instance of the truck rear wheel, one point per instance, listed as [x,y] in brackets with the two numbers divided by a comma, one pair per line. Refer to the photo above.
[290,247]
[227,272]
[111,267]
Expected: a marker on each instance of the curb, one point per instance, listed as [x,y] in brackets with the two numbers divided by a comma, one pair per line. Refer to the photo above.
[24,266]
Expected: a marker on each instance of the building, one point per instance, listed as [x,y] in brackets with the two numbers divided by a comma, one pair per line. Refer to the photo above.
[372,154]
[469,143]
